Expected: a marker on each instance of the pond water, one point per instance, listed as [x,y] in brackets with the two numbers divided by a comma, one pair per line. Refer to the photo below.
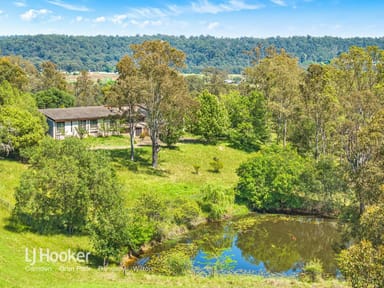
[263,245]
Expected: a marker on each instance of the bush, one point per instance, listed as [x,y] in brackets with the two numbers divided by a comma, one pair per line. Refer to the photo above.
[173,262]
[65,186]
[312,271]
[216,165]
[372,224]
[216,201]
[140,231]
[171,134]
[363,265]
[186,212]
[152,205]
[272,180]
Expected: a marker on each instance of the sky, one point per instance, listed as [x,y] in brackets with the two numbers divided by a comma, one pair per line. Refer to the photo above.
[220,18]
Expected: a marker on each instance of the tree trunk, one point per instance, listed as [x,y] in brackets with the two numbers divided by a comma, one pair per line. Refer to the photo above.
[155,153]
[317,135]
[132,140]
[285,132]
[105,261]
[362,206]
[155,148]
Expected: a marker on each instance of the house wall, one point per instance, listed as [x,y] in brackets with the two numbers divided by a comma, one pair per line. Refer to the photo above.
[58,130]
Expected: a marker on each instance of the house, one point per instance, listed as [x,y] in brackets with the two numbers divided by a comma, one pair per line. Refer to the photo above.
[74,121]
[91,120]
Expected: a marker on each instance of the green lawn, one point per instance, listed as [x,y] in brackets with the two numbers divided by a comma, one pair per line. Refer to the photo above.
[174,177]
[107,142]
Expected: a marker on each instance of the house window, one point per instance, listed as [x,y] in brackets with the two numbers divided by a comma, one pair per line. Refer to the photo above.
[60,128]
[74,125]
[94,125]
[83,124]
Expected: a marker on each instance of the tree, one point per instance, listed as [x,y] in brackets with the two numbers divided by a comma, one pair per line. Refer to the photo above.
[211,118]
[319,106]
[51,77]
[13,74]
[86,91]
[53,98]
[214,80]
[159,64]
[195,84]
[109,228]
[272,179]
[249,121]
[30,71]
[21,125]
[66,187]
[128,91]
[173,128]
[278,77]
[358,79]
[19,128]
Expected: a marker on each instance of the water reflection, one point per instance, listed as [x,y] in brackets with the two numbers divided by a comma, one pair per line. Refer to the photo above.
[265,244]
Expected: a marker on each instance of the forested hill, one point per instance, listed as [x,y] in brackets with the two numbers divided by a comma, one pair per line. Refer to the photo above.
[101,53]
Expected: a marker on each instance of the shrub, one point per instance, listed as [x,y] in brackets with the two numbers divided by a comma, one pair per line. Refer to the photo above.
[171,134]
[372,224]
[363,265]
[140,231]
[196,169]
[272,179]
[216,165]
[312,271]
[173,262]
[152,205]
[216,201]
[186,212]
[82,132]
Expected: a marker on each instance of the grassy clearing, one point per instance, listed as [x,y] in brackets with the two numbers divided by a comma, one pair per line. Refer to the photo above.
[118,141]
[176,175]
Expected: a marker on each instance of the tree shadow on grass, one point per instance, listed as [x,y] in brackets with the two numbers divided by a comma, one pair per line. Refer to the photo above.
[26,223]
[142,163]
[192,141]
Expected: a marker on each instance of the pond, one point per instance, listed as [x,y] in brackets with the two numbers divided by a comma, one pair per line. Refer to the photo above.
[263,244]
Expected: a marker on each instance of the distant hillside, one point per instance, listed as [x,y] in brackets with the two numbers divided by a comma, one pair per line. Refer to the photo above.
[101,53]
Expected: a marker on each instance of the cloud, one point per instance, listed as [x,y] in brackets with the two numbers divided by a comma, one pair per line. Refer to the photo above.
[55,18]
[32,14]
[213,25]
[69,6]
[147,13]
[119,19]
[19,4]
[206,7]
[146,23]
[79,19]
[279,2]
[101,19]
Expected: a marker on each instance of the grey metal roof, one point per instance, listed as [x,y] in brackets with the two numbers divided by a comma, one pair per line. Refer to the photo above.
[79,113]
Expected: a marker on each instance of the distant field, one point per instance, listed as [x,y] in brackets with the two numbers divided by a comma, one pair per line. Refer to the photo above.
[104,76]
[95,76]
